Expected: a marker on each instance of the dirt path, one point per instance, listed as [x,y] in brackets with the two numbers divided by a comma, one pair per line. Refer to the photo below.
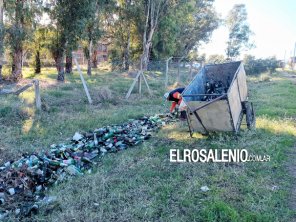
[289,76]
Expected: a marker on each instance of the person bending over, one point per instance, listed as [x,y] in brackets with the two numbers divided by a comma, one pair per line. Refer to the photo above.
[176,97]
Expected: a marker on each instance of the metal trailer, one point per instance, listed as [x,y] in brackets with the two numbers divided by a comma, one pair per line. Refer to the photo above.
[224,111]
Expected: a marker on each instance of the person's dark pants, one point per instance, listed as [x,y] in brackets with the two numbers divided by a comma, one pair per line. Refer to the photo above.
[183,115]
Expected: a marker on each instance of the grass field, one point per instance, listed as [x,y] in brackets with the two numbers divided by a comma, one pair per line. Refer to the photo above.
[140,184]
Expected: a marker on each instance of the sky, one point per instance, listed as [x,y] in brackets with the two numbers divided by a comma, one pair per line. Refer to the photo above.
[273,23]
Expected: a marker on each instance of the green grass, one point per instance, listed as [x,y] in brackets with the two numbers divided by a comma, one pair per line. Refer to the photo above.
[140,183]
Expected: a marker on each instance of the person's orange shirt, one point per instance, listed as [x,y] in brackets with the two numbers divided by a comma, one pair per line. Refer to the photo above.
[178,96]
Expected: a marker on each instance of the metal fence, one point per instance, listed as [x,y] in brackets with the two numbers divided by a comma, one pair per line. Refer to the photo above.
[169,70]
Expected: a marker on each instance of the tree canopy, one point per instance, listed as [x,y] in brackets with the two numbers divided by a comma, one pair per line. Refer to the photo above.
[239,31]
[136,30]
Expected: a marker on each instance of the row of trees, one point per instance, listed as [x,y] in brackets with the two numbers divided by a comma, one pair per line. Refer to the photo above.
[253,65]
[159,29]
[71,21]
[137,30]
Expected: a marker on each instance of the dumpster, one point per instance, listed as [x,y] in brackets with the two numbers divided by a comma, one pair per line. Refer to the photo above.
[217,99]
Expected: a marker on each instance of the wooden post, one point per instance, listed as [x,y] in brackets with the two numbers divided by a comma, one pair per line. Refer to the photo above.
[167,72]
[179,61]
[17,92]
[132,86]
[150,93]
[24,88]
[82,79]
[190,71]
[140,84]
[178,74]
[138,79]
[37,94]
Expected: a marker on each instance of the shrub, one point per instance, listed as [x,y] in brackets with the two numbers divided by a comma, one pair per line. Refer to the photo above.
[255,66]
[105,94]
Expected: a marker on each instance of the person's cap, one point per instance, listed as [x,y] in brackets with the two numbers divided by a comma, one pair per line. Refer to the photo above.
[166,95]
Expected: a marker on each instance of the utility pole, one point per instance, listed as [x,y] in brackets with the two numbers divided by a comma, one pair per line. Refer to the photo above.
[284,61]
[293,59]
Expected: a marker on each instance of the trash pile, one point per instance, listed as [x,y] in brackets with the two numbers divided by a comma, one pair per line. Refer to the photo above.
[214,87]
[23,182]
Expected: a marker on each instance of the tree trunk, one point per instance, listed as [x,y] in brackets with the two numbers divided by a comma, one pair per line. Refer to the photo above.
[89,59]
[69,63]
[95,59]
[17,43]
[37,62]
[59,60]
[24,57]
[146,47]
[1,37]
[152,12]
[89,66]
[16,68]
[127,50]
[145,57]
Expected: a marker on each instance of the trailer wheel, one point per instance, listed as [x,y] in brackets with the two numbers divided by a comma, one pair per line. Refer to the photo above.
[250,115]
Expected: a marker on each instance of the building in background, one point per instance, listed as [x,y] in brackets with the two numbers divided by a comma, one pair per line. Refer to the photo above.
[100,53]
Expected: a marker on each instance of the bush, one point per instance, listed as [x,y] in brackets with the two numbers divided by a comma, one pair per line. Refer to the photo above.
[255,66]
[105,94]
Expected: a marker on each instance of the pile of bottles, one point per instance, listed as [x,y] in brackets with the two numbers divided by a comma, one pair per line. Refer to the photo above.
[23,182]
